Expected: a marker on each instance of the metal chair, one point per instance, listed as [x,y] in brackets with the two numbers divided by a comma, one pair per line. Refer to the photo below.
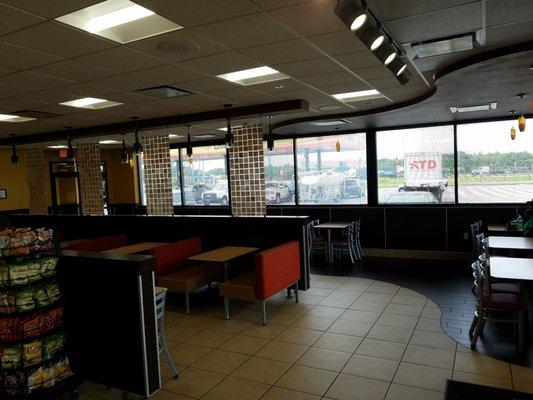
[345,243]
[357,249]
[475,229]
[160,300]
[317,242]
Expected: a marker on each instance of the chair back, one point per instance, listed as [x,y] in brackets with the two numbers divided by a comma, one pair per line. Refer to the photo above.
[479,285]
[480,244]
[172,257]
[160,300]
[475,229]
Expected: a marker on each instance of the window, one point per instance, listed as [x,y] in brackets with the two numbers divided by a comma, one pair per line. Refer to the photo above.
[140,166]
[279,173]
[493,168]
[328,176]
[415,166]
[205,178]
[175,172]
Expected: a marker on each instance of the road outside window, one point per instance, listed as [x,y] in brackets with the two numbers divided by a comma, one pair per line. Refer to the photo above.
[328,176]
[205,178]
[416,166]
[279,173]
[493,168]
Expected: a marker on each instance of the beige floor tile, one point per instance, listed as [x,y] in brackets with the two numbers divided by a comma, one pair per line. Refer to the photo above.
[88,388]
[233,388]
[430,312]
[294,308]
[483,380]
[330,360]
[376,297]
[371,367]
[401,392]
[282,351]
[348,327]
[341,299]
[278,393]
[350,387]
[305,379]
[314,322]
[365,305]
[180,333]
[166,395]
[400,321]
[209,338]
[431,356]
[381,349]
[390,333]
[326,285]
[166,372]
[433,339]
[338,342]
[172,317]
[522,374]
[193,382]
[230,326]
[310,300]
[315,291]
[482,365]
[268,331]
[224,362]
[408,292]
[429,324]
[408,300]
[186,354]
[244,344]
[400,309]
[383,287]
[422,376]
[361,316]
[200,321]
[299,336]
[282,318]
[353,286]
[262,370]
[325,312]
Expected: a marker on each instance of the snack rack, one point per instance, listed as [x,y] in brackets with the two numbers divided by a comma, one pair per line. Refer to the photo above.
[33,362]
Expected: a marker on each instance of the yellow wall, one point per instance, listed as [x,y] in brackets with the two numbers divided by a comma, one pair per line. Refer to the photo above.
[13,179]
[120,177]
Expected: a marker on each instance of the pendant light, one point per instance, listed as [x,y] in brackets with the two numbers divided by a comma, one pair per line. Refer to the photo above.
[124,152]
[270,137]
[513,130]
[522,118]
[337,143]
[189,145]
[229,138]
[14,156]
[137,146]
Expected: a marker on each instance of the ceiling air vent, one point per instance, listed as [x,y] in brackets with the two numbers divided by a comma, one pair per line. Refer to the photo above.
[441,46]
[163,92]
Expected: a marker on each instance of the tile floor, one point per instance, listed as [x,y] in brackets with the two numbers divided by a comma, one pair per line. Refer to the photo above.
[348,338]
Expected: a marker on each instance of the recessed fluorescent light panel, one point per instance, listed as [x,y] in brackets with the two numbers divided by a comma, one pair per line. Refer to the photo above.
[479,107]
[330,122]
[437,47]
[91,103]
[204,136]
[57,146]
[174,136]
[254,76]
[358,96]
[225,128]
[14,118]
[119,20]
[108,142]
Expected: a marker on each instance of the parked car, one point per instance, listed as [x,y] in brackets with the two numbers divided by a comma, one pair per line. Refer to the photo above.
[484,170]
[218,194]
[276,192]
[412,197]
[388,172]
[351,187]
[193,195]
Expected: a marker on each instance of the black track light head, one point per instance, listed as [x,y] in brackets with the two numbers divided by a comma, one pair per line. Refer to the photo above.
[351,14]
[372,37]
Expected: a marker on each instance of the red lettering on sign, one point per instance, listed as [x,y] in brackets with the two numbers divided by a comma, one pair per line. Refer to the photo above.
[423,164]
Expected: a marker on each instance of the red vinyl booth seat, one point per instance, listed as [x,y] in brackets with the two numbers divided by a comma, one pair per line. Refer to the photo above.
[173,257]
[100,244]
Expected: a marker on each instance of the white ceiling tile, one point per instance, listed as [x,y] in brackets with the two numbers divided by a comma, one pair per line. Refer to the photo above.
[247,31]
[300,69]
[352,86]
[10,90]
[390,10]
[169,74]
[122,59]
[85,90]
[125,82]
[341,42]
[50,8]
[332,78]
[274,88]
[271,4]
[235,94]
[127,97]
[20,58]
[57,39]
[16,103]
[220,63]
[74,71]
[14,19]
[33,81]
[204,85]
[282,52]
[5,70]
[361,59]
[508,11]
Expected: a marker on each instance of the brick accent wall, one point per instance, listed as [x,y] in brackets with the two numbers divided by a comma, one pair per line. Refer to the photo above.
[247,172]
[88,158]
[157,175]
[35,178]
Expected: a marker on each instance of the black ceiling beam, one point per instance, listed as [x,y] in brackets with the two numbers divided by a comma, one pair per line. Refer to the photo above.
[280,107]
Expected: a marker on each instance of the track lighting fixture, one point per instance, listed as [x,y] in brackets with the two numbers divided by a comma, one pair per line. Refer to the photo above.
[137,146]
[353,16]
[14,156]
[522,118]
[386,53]
[124,153]
[229,138]
[372,37]
[270,137]
[189,145]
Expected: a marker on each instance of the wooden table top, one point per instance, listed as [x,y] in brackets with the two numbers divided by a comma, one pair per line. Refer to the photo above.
[511,268]
[223,254]
[332,225]
[134,248]
[510,243]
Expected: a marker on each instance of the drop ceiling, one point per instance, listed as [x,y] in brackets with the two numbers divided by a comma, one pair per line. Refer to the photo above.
[44,63]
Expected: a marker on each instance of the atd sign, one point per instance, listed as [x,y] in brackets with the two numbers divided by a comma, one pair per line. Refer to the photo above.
[423,164]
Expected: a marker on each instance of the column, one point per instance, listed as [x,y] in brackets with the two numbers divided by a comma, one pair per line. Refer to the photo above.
[247,172]
[157,175]
[90,176]
[35,179]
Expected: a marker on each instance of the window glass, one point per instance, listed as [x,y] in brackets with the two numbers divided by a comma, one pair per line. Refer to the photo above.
[415,166]
[328,176]
[140,166]
[493,168]
[205,178]
[175,172]
[279,173]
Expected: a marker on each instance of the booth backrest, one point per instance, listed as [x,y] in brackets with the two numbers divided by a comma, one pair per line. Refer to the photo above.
[276,269]
[173,256]
[100,244]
